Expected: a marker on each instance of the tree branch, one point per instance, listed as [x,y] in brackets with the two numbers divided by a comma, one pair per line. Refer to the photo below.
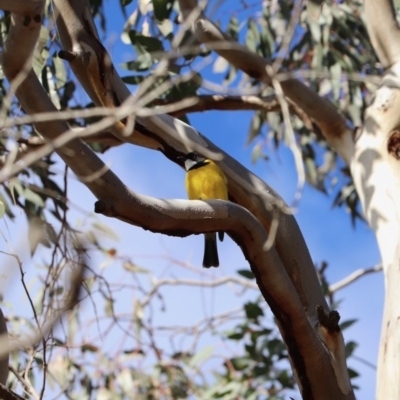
[332,124]
[383,30]
[245,283]
[353,277]
[22,7]
[226,103]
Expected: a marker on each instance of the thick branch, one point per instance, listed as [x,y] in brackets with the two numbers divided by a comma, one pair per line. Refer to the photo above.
[330,121]
[22,7]
[383,30]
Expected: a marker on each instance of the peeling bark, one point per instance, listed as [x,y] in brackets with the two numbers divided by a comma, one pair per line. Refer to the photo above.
[375,169]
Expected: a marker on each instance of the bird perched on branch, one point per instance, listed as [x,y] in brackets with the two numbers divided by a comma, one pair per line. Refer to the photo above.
[206,181]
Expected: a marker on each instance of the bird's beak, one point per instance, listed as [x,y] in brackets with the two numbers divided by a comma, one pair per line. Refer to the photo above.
[181,158]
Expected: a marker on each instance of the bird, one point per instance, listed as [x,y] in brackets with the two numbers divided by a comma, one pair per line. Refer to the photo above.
[205,180]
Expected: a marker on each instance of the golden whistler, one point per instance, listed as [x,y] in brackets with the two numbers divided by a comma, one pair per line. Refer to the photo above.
[206,181]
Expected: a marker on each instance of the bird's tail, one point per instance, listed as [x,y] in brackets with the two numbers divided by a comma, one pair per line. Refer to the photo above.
[210,251]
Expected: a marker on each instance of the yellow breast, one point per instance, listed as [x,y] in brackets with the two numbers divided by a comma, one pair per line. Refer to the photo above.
[207,182]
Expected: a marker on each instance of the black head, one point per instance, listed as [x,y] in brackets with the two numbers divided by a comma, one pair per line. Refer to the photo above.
[193,160]
[194,157]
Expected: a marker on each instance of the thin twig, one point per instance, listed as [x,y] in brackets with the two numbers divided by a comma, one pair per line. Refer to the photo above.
[353,277]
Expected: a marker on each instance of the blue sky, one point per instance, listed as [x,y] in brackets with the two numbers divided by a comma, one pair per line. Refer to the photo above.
[327,231]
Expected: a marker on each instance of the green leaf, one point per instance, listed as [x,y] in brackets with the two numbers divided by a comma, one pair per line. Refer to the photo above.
[311,169]
[240,363]
[5,203]
[255,126]
[253,36]
[285,379]
[190,87]
[258,153]
[2,209]
[134,79]
[246,273]
[349,348]
[267,42]
[203,355]
[145,44]
[59,290]
[90,348]
[262,332]
[41,52]
[51,233]
[235,335]
[59,72]
[186,89]
[109,307]
[162,8]
[352,373]
[314,8]
[135,268]
[103,228]
[345,324]
[36,234]
[126,381]
[251,350]
[33,197]
[15,186]
[276,347]
[233,28]
[142,63]
[253,310]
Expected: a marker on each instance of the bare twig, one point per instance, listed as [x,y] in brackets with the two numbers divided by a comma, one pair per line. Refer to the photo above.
[227,103]
[290,136]
[190,282]
[287,39]
[72,297]
[353,277]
